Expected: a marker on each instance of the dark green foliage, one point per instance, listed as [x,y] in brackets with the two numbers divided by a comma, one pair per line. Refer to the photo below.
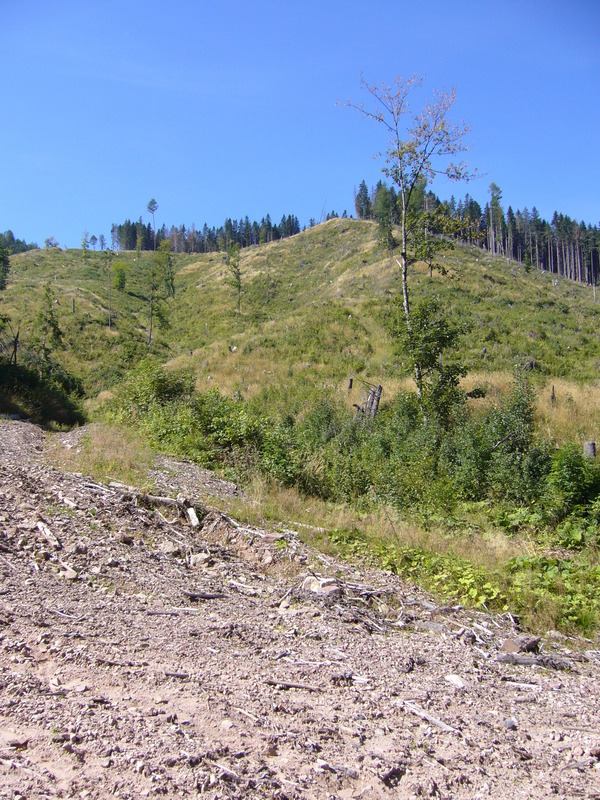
[568,586]
[8,242]
[131,235]
[4,266]
[49,335]
[398,457]
[40,391]
[209,428]
[362,202]
[120,278]
[573,480]
[384,212]
[427,342]
[517,464]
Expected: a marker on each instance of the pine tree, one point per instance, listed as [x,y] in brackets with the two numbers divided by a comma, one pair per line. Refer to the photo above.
[362,202]
[4,266]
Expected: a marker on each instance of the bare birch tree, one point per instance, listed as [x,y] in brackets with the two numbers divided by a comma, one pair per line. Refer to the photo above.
[421,146]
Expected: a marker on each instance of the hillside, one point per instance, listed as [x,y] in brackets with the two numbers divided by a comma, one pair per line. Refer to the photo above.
[313,308]
[490,502]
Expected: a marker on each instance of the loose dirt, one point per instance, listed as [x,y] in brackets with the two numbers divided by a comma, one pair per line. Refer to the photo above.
[143,655]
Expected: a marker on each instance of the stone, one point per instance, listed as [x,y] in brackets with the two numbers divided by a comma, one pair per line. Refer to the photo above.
[325,586]
[200,559]
[456,680]
[169,548]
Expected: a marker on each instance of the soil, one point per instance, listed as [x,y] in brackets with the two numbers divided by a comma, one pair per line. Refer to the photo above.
[145,655]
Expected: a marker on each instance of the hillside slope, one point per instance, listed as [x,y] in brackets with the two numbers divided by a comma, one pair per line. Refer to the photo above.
[495,505]
[313,313]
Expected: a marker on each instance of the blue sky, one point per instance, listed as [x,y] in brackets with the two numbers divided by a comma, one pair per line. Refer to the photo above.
[231,109]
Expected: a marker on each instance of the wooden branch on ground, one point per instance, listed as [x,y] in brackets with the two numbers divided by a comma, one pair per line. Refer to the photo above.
[202,595]
[162,613]
[184,506]
[543,660]
[6,561]
[288,685]
[414,709]
[228,773]
[48,535]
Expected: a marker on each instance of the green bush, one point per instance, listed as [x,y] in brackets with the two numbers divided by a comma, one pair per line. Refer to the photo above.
[573,480]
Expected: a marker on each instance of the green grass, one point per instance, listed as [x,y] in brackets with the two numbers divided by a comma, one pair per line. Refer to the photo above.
[314,311]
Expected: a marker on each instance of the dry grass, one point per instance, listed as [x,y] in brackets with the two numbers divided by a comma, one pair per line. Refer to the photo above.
[268,505]
[573,415]
[104,452]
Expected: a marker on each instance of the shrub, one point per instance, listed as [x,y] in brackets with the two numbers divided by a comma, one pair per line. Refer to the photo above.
[573,480]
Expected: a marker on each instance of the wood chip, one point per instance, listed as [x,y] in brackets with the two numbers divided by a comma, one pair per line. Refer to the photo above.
[48,535]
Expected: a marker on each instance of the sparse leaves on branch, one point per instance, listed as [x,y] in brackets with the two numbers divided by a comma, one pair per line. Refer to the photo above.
[421,146]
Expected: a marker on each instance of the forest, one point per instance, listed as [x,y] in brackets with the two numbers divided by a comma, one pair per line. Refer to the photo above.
[130,235]
[562,246]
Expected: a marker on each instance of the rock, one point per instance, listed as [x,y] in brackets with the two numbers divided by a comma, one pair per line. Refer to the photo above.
[69,573]
[193,517]
[521,644]
[169,548]
[325,586]
[510,724]
[200,559]
[457,681]
[16,742]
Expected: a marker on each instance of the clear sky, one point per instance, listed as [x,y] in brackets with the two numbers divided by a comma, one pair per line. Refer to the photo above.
[228,109]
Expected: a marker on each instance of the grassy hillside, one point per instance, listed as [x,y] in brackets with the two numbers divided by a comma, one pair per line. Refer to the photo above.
[499,508]
[313,314]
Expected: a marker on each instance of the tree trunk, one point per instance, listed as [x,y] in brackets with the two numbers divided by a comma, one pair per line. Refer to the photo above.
[403,264]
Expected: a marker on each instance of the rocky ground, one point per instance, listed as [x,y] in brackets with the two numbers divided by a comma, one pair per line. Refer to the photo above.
[149,647]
